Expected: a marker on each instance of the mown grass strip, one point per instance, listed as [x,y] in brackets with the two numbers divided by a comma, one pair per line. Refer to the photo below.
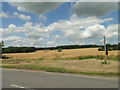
[55,69]
[100,57]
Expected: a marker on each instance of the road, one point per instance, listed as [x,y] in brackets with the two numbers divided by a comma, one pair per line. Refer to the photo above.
[31,79]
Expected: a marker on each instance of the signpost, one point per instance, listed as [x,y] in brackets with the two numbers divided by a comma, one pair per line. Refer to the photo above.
[106,51]
[45,47]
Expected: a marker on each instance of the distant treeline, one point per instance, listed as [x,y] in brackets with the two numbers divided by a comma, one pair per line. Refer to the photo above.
[110,47]
[70,47]
[33,49]
[18,49]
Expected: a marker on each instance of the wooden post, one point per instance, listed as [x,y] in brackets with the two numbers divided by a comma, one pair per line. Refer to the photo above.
[45,47]
[105,50]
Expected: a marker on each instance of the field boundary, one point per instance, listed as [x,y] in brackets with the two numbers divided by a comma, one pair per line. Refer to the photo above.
[56,70]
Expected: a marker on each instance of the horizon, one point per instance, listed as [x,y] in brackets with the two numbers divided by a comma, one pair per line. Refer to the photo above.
[63,45]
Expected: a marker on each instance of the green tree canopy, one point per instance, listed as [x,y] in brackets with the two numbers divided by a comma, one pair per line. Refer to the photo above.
[1,44]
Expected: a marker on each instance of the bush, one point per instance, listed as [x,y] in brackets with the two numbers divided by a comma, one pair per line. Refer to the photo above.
[105,63]
[99,49]
[5,57]
[59,49]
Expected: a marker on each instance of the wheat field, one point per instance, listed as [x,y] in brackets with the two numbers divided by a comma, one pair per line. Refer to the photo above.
[46,59]
[66,53]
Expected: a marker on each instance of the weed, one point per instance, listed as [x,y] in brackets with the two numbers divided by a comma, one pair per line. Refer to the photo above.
[56,69]
[105,62]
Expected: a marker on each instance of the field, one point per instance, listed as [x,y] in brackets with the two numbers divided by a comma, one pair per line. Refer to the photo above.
[65,54]
[82,61]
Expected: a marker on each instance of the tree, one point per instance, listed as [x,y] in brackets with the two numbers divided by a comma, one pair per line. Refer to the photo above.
[1,44]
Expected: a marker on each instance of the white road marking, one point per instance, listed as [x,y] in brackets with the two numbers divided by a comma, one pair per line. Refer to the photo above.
[17,86]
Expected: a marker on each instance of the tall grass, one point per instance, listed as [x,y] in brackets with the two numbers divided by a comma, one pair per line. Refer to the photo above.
[100,57]
[57,57]
[56,69]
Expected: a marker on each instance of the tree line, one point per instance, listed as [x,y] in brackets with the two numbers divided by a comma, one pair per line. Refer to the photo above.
[110,47]
[12,49]
[69,47]
[33,49]
[18,49]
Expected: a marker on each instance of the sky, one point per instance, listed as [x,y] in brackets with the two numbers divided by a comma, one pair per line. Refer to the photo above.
[58,23]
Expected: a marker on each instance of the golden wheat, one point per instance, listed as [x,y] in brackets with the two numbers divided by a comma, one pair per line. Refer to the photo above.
[50,54]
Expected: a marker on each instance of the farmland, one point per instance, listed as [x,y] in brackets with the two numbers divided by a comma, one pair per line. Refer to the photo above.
[83,61]
[51,54]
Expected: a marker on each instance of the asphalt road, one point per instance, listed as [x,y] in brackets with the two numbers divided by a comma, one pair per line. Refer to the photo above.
[28,79]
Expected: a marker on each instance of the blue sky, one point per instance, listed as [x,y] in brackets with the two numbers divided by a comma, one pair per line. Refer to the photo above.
[37,24]
[62,12]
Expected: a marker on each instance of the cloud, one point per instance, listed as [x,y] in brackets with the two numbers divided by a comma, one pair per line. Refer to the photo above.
[12,38]
[72,28]
[51,43]
[35,7]
[94,8]
[4,15]
[20,41]
[11,26]
[111,30]
[57,36]
[22,16]
[76,30]
[41,17]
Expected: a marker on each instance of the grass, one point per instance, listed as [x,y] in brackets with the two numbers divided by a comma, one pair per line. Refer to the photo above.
[99,57]
[55,69]
[90,67]
[15,61]
[105,62]
[81,61]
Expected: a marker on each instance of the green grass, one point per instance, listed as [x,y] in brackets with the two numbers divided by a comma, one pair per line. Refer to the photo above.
[55,69]
[100,57]
[105,63]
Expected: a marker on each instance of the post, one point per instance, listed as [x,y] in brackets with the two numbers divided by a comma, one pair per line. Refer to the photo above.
[45,48]
[105,50]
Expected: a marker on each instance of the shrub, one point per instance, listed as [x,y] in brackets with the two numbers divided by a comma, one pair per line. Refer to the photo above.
[99,49]
[5,57]
[105,63]
[59,49]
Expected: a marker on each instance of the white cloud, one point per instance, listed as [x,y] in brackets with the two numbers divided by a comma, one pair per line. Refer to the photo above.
[57,36]
[3,14]
[94,8]
[76,30]
[41,17]
[20,41]
[28,24]
[36,7]
[22,16]
[11,26]
[51,43]
[13,38]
